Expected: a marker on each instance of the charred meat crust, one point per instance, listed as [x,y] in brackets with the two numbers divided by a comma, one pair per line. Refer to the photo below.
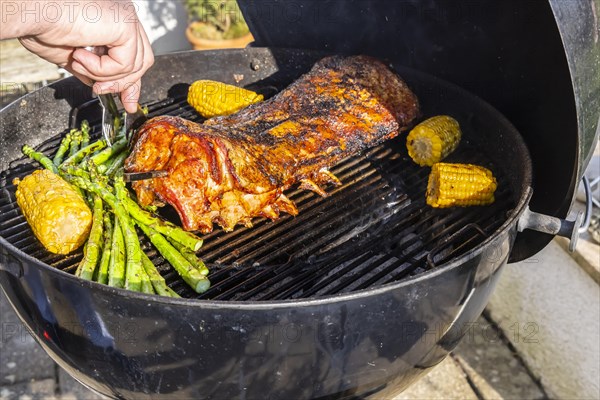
[233,168]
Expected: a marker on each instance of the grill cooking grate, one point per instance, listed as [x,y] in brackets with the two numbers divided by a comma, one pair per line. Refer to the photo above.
[373,230]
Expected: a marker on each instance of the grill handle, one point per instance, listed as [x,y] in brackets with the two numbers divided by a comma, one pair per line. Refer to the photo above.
[552,225]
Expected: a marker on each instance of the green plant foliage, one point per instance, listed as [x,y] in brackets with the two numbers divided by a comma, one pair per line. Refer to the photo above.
[222,19]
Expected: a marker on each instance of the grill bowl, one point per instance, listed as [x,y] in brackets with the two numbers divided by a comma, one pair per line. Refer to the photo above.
[363,291]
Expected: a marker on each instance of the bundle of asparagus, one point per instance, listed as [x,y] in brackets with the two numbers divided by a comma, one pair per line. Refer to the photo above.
[112,253]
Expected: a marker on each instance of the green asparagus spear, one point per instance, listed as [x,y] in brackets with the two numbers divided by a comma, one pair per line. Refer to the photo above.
[85,133]
[86,180]
[62,149]
[146,286]
[84,151]
[116,266]
[158,282]
[190,256]
[109,152]
[66,170]
[121,205]
[102,275]
[39,157]
[95,175]
[134,272]
[184,268]
[71,171]
[132,244]
[172,293]
[187,239]
[75,141]
[114,164]
[118,124]
[87,266]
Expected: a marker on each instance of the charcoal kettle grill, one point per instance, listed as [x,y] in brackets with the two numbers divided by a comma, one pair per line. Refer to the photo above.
[366,290]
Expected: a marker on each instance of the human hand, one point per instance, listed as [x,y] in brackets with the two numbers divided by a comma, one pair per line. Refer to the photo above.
[73,25]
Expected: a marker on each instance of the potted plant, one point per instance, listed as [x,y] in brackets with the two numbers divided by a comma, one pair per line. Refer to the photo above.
[216,24]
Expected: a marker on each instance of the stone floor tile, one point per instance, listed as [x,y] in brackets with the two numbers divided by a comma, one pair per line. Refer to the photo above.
[444,382]
[21,358]
[32,390]
[72,389]
[13,57]
[492,367]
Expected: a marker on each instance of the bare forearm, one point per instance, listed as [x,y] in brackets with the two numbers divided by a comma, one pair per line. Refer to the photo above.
[24,18]
[59,30]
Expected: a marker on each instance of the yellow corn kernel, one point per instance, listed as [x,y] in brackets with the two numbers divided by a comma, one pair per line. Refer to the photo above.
[460,185]
[212,98]
[57,214]
[433,139]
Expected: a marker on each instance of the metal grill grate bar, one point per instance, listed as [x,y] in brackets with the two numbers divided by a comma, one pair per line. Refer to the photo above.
[307,201]
[372,230]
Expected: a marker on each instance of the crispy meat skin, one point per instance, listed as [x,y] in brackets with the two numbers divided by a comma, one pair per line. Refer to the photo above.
[233,168]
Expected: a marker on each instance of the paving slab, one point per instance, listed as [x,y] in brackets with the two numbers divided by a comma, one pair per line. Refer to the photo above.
[33,390]
[587,252]
[446,381]
[18,65]
[493,367]
[21,358]
[69,388]
[548,306]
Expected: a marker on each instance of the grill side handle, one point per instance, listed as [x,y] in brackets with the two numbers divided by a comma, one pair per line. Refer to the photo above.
[551,225]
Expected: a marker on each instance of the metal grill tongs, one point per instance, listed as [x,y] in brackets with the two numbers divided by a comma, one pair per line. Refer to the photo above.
[110,113]
[132,121]
[110,110]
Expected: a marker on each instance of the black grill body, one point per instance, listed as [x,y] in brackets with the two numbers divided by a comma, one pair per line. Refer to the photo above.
[133,346]
[362,292]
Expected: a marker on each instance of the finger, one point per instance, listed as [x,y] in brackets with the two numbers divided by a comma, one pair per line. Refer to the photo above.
[138,61]
[148,53]
[56,54]
[137,70]
[120,60]
[82,70]
[131,96]
[92,65]
[118,85]
[107,87]
[87,81]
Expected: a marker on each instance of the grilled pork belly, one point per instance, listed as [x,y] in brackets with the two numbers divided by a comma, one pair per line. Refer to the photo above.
[233,168]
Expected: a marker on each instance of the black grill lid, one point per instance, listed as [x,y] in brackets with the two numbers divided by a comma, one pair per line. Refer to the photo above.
[535,61]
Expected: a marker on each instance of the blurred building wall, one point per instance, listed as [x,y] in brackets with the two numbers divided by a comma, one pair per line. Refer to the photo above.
[165,22]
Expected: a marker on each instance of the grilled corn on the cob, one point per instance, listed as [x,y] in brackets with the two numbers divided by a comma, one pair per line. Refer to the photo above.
[460,185]
[212,98]
[433,139]
[57,214]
